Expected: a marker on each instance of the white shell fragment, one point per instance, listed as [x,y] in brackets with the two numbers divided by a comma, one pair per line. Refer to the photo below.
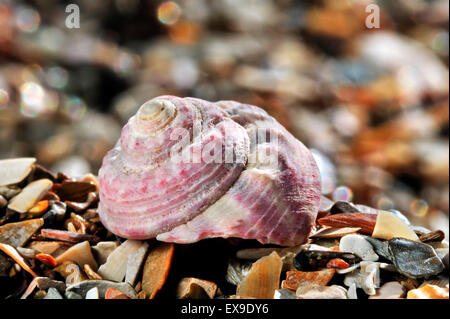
[134,264]
[92,293]
[103,249]
[115,267]
[368,278]
[30,195]
[388,226]
[314,291]
[358,245]
[13,171]
[390,290]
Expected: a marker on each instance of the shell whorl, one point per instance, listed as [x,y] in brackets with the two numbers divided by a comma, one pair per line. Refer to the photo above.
[145,193]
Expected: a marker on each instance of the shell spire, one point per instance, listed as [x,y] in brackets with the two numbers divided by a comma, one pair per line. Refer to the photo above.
[186,169]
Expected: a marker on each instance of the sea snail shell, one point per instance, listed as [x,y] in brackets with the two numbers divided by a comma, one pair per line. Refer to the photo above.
[186,169]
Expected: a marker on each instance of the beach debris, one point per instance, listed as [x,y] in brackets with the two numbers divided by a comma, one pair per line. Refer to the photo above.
[388,226]
[263,278]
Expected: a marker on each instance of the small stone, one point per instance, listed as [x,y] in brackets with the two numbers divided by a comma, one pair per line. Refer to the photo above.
[415,259]
[17,234]
[315,291]
[53,293]
[103,249]
[13,171]
[390,290]
[358,245]
[92,293]
[30,195]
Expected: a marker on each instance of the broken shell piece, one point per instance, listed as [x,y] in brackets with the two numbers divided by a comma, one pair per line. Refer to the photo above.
[17,234]
[337,263]
[9,192]
[390,290]
[388,226]
[315,291]
[53,293]
[80,253]
[115,267]
[53,248]
[156,269]
[428,292]
[415,259]
[284,294]
[296,278]
[38,209]
[12,252]
[13,171]
[263,278]
[237,271]
[103,249]
[91,273]
[72,295]
[135,262]
[113,293]
[92,293]
[434,236]
[30,195]
[367,278]
[46,260]
[193,288]
[67,236]
[333,232]
[83,287]
[43,283]
[71,272]
[26,252]
[358,245]
[364,221]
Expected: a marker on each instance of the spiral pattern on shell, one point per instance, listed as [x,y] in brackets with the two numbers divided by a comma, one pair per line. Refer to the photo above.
[186,169]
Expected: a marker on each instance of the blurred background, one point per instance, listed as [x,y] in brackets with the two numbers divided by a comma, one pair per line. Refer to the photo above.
[372,104]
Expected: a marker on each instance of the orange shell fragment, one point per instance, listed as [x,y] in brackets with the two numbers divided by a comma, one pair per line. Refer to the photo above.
[47,259]
[156,269]
[294,278]
[12,252]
